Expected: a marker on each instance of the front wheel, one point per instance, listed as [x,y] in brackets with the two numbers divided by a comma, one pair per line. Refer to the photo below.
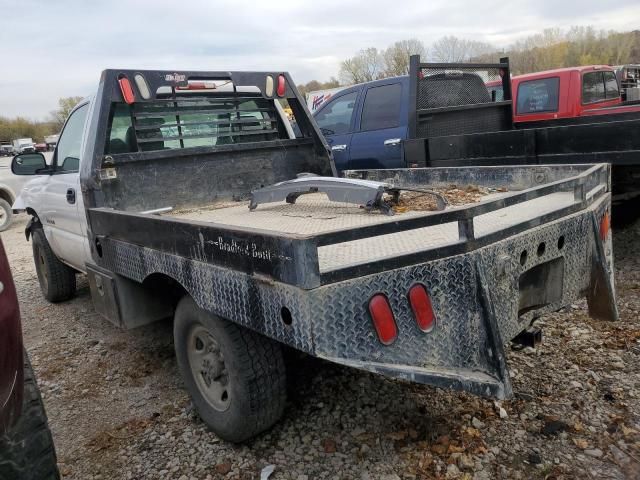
[5,215]
[57,280]
[235,376]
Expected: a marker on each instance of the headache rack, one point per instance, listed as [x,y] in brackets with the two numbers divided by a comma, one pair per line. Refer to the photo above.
[148,110]
[456,98]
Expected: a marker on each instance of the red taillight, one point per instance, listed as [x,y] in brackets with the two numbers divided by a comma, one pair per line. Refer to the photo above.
[127,91]
[422,308]
[281,86]
[605,226]
[383,320]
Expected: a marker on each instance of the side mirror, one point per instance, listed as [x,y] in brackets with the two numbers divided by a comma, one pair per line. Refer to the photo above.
[28,163]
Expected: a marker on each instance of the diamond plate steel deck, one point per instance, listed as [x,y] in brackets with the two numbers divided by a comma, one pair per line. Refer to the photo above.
[314,214]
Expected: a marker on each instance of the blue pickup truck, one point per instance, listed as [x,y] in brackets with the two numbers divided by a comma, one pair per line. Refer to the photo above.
[385,123]
[365,124]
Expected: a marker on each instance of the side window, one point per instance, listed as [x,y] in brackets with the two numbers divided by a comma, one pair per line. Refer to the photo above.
[121,136]
[68,150]
[536,96]
[335,117]
[592,87]
[381,107]
[610,85]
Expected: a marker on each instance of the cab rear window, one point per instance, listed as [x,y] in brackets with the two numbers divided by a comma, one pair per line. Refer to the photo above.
[537,96]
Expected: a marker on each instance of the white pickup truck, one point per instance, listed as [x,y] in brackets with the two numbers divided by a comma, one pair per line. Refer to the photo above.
[187,195]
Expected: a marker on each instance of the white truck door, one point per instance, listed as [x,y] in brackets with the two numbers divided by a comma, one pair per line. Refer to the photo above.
[61,196]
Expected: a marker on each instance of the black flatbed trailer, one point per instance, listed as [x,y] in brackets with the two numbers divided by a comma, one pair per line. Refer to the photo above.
[449,129]
[427,296]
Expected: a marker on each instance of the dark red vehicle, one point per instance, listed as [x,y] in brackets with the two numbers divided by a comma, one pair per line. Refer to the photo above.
[568,93]
[26,445]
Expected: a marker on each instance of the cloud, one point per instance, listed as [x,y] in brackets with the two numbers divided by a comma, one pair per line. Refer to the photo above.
[57,49]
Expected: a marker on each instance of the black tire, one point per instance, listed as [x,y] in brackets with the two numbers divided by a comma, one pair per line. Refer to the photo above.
[57,280]
[252,367]
[27,451]
[6,214]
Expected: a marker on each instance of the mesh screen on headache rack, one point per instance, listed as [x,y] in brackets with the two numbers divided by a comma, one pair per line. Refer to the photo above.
[459,85]
[459,98]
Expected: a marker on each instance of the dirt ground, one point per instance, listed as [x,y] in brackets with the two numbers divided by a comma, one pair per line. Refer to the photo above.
[118,410]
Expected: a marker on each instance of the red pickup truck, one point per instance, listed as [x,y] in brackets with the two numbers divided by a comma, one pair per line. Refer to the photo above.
[567,93]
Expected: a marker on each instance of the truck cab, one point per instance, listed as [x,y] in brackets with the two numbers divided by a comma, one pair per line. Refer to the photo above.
[366,124]
[56,187]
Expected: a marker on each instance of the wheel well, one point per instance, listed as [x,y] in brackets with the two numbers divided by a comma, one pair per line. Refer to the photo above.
[167,288]
[6,195]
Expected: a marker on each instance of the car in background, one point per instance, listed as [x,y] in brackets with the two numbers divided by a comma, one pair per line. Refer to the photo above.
[629,81]
[6,150]
[23,145]
[41,147]
[27,451]
[10,186]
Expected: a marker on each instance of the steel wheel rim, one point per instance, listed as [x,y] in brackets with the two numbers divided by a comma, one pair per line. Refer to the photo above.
[208,369]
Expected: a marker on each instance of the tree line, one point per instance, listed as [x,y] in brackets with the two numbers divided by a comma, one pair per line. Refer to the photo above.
[20,127]
[555,48]
[552,48]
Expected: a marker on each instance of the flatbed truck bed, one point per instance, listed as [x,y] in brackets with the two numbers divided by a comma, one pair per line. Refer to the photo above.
[314,215]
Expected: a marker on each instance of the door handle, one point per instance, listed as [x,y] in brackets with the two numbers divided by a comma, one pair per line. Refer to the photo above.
[392,142]
[71,196]
[339,148]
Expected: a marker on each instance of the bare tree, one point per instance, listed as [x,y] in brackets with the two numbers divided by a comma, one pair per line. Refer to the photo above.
[452,49]
[396,57]
[367,65]
[476,49]
[65,105]
[449,49]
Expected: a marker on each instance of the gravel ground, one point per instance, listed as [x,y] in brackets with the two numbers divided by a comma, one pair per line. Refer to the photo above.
[118,409]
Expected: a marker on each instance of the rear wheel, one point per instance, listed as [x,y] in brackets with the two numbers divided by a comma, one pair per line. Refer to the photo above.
[27,451]
[57,280]
[236,377]
[6,214]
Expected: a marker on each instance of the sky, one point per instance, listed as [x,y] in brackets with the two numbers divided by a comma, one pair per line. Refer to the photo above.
[57,48]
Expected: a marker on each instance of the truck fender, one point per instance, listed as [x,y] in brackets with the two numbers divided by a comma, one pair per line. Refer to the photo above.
[31,224]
